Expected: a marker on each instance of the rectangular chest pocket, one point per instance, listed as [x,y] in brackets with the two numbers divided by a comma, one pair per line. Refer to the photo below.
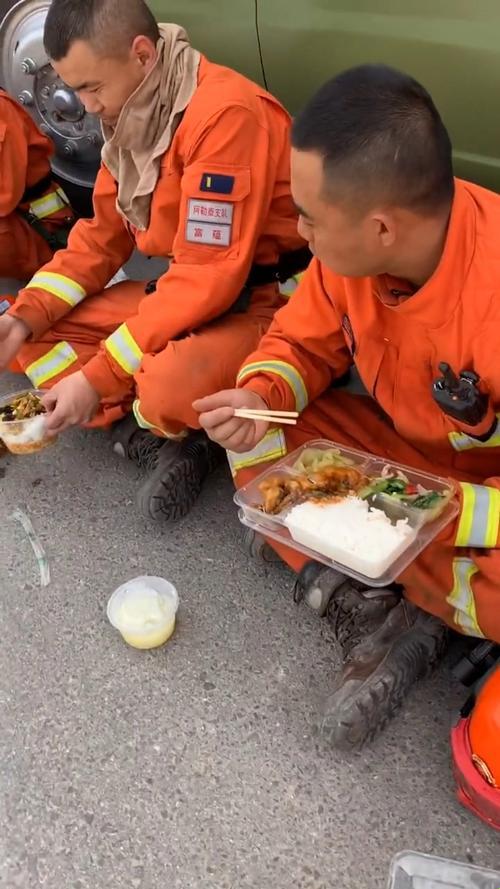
[212,212]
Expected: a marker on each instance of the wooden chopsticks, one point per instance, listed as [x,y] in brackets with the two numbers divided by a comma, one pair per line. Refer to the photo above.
[285,418]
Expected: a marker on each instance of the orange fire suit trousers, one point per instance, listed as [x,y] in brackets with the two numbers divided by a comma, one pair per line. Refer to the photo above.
[167,383]
[357,422]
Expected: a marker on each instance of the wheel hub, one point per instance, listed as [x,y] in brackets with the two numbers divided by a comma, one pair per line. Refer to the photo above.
[26,73]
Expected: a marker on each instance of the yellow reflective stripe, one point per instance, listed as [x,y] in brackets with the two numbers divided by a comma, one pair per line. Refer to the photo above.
[49,204]
[143,423]
[51,364]
[480,516]
[71,292]
[460,441]
[124,349]
[282,369]
[271,447]
[461,597]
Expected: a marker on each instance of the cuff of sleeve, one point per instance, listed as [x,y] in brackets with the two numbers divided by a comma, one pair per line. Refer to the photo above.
[31,317]
[276,396]
[482,430]
[101,376]
[479,521]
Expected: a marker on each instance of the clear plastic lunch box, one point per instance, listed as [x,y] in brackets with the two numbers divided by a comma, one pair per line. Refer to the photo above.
[249,500]
[411,870]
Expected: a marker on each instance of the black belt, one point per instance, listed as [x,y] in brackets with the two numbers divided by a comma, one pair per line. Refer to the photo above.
[288,265]
[33,192]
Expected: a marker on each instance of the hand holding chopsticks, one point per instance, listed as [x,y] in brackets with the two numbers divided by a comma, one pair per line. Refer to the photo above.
[238,419]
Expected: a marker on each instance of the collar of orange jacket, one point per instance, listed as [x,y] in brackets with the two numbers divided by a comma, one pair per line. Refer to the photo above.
[437,298]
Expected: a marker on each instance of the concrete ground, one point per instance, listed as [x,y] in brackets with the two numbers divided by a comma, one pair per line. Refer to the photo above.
[192,767]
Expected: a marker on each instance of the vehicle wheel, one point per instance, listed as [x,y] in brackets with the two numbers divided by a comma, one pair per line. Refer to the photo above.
[25,72]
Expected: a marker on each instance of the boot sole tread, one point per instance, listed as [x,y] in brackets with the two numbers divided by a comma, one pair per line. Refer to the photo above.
[368,712]
[166,505]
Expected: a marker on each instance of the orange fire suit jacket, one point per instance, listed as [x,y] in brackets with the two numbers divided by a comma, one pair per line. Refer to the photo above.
[222,202]
[332,322]
[24,162]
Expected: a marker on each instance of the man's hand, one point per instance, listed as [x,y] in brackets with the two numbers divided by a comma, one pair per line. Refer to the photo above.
[71,402]
[218,420]
[13,333]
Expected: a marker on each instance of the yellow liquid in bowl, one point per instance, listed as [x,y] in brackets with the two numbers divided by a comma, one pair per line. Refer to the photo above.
[150,638]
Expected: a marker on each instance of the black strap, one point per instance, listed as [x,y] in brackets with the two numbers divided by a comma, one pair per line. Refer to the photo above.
[56,239]
[33,192]
[288,265]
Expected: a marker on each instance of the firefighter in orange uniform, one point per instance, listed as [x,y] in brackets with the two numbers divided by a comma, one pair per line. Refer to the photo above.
[35,214]
[405,285]
[196,168]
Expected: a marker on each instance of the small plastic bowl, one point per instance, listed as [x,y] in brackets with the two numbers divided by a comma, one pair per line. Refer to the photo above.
[144,611]
[25,436]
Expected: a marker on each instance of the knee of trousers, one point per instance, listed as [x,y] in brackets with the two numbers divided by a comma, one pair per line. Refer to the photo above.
[164,395]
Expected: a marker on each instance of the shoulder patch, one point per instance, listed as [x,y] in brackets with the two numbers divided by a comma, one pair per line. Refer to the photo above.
[217,183]
[209,222]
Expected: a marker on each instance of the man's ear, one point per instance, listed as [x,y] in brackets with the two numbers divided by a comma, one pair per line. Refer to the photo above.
[384,225]
[144,51]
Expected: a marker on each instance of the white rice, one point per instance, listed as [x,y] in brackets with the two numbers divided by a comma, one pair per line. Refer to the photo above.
[25,431]
[351,533]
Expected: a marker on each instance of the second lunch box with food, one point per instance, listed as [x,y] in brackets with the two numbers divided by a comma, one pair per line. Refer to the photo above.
[354,512]
[23,422]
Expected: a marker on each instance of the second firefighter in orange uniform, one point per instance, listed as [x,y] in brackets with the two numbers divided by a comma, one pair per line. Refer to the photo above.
[406,278]
[195,168]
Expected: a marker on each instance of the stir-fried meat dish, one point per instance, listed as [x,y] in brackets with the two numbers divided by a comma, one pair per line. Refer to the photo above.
[327,484]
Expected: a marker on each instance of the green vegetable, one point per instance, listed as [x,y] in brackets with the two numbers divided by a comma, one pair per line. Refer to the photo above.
[395,486]
[427,501]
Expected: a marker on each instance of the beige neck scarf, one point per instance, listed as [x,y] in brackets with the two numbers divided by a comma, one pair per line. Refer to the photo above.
[133,149]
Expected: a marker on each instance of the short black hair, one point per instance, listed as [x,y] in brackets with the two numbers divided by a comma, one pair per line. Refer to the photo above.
[381,139]
[110,26]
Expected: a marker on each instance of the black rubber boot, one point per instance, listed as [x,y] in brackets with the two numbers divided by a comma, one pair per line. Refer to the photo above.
[175,482]
[316,585]
[388,644]
[257,547]
[133,443]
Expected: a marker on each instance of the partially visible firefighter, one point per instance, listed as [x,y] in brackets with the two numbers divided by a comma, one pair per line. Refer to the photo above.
[35,214]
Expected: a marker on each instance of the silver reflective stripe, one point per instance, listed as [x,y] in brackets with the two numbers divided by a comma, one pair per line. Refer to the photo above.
[460,441]
[71,292]
[48,204]
[480,517]
[479,528]
[461,597]
[290,286]
[272,447]
[50,365]
[123,348]
[282,369]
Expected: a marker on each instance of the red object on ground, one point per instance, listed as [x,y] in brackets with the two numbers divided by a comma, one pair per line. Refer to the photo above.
[473,791]
[484,728]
